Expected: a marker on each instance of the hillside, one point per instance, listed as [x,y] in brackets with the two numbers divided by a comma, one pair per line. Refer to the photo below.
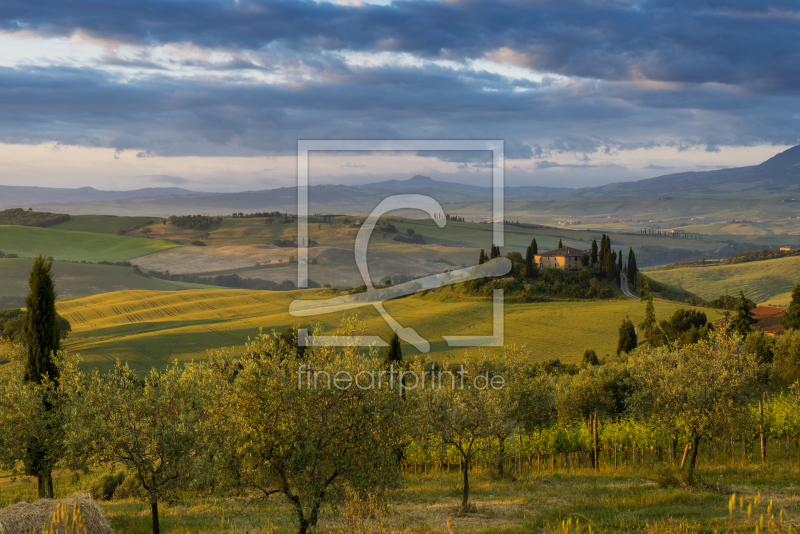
[28,242]
[765,282]
[23,196]
[779,174]
[150,328]
[78,279]
[101,224]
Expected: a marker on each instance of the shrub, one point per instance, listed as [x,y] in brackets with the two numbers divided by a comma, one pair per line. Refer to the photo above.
[104,487]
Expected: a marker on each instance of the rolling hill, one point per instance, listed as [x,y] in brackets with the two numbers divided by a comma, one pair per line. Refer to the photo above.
[28,242]
[152,328]
[765,282]
[779,174]
[79,279]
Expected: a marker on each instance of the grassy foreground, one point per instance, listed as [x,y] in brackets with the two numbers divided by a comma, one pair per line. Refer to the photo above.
[769,281]
[152,328]
[631,498]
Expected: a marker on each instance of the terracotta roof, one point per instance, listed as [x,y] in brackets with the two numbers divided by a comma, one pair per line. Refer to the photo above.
[563,251]
[769,319]
[763,312]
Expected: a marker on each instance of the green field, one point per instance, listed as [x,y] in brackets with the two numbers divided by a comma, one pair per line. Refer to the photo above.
[765,282]
[78,279]
[28,242]
[101,224]
[150,328]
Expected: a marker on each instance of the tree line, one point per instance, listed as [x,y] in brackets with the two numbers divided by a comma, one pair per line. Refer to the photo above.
[193,222]
[40,219]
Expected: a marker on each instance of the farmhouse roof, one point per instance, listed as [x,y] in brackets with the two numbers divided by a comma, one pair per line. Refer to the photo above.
[768,319]
[563,251]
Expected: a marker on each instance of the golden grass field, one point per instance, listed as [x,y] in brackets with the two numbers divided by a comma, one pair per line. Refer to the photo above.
[765,282]
[152,328]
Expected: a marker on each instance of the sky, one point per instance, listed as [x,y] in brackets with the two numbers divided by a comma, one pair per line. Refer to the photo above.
[213,95]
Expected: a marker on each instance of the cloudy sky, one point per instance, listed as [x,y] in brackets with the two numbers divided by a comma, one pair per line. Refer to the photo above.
[213,95]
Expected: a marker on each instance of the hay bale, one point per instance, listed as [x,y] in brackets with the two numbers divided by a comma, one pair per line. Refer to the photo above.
[22,517]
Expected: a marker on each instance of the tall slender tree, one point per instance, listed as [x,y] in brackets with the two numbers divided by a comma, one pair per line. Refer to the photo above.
[743,321]
[618,273]
[560,244]
[394,353]
[791,319]
[529,263]
[41,326]
[482,258]
[594,252]
[43,338]
[627,336]
[611,265]
[534,247]
[648,326]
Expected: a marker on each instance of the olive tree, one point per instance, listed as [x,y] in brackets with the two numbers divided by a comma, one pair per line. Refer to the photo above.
[518,395]
[702,389]
[786,361]
[308,429]
[149,425]
[480,401]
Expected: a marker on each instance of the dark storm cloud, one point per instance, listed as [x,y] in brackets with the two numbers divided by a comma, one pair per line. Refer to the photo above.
[741,42]
[639,70]
[172,116]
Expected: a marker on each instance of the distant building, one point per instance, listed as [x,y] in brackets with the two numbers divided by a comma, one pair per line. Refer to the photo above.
[788,248]
[560,258]
[768,319]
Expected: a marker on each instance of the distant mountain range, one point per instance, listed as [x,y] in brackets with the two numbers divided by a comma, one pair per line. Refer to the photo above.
[779,174]
[20,196]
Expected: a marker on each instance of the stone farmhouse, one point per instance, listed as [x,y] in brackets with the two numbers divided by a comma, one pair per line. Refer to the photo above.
[560,258]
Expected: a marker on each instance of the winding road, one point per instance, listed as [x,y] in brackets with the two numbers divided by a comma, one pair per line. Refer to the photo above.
[625,288]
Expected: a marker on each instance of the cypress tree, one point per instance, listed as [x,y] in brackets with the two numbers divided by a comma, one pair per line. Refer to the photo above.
[534,247]
[394,354]
[594,252]
[603,253]
[41,327]
[529,263]
[611,265]
[589,358]
[619,270]
[791,319]
[744,320]
[630,262]
[648,326]
[560,245]
[627,336]
[44,340]
[482,258]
